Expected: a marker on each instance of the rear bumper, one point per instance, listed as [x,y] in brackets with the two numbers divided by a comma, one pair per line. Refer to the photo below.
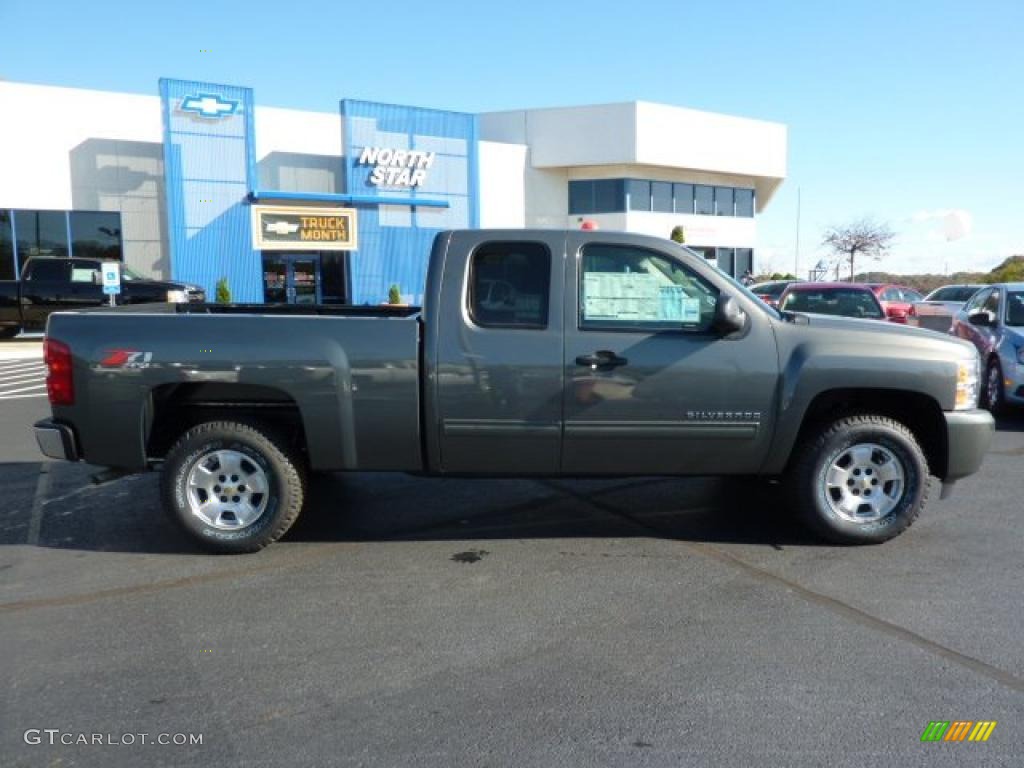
[969,434]
[56,440]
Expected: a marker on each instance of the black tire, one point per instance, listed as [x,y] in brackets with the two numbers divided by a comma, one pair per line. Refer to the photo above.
[286,484]
[996,404]
[810,492]
[9,333]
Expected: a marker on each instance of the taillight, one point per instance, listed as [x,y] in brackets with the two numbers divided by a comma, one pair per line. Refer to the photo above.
[60,384]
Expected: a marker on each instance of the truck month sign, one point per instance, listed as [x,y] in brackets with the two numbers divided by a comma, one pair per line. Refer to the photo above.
[301,228]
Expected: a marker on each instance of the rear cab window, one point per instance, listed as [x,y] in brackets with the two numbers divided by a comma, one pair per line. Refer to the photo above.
[510,285]
[48,269]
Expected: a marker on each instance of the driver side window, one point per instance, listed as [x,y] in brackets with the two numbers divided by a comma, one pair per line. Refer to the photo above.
[628,288]
[977,300]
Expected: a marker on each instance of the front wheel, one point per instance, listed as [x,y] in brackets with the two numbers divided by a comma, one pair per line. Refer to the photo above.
[233,487]
[860,480]
[994,397]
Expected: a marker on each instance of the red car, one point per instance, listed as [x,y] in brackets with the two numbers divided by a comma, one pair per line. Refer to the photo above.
[896,300]
[844,299]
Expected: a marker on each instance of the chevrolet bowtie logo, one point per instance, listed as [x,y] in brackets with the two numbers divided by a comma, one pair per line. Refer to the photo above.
[209,105]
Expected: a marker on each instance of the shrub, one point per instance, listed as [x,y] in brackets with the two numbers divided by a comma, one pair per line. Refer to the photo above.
[394,294]
[223,291]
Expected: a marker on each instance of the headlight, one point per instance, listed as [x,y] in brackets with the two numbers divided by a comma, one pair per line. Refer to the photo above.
[967,375]
[177,297]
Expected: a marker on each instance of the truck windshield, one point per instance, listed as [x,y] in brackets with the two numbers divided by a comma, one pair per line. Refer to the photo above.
[128,274]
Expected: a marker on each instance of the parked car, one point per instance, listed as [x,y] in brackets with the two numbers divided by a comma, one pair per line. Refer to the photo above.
[51,284]
[770,292]
[627,355]
[993,320]
[896,300]
[936,310]
[843,299]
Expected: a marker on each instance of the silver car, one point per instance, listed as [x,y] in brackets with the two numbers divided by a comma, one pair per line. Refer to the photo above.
[936,310]
[993,320]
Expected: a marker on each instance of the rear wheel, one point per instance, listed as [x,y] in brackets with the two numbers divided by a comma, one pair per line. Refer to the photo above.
[233,487]
[860,479]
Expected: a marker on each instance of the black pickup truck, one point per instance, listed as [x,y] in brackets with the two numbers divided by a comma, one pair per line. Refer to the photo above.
[50,284]
[535,353]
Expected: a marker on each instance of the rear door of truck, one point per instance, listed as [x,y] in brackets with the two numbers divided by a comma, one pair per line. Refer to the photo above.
[498,362]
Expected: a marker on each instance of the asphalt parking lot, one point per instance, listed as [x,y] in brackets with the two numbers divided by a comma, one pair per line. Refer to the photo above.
[409,621]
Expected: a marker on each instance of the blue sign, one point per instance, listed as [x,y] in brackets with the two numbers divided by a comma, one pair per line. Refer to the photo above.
[209,105]
[111,272]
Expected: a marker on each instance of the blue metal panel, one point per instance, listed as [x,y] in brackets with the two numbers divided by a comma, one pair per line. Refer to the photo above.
[330,197]
[397,225]
[209,168]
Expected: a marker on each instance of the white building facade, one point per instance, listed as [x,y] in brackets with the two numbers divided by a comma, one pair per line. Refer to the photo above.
[166,182]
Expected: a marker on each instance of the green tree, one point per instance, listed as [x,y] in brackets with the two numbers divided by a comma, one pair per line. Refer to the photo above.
[223,291]
[678,234]
[394,294]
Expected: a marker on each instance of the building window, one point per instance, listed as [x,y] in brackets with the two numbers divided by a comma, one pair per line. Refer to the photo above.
[682,195]
[8,269]
[744,261]
[704,200]
[638,195]
[95,235]
[618,195]
[635,289]
[661,196]
[745,203]
[726,260]
[509,285]
[725,203]
[581,197]
[41,233]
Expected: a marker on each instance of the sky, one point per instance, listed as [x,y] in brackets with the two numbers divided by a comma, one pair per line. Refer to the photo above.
[902,110]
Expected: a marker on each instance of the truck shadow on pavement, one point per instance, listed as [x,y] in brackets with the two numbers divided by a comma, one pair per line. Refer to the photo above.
[56,507]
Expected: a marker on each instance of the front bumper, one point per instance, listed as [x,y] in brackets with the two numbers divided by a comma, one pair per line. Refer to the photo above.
[969,434]
[56,440]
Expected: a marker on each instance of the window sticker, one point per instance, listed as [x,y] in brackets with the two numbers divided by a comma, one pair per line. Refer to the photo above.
[636,297]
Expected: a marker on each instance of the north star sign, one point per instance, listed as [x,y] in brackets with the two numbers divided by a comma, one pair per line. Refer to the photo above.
[396,167]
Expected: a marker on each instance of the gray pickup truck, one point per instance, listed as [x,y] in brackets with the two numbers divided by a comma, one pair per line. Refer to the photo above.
[535,353]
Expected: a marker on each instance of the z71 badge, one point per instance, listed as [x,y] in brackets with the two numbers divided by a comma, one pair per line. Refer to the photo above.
[129,359]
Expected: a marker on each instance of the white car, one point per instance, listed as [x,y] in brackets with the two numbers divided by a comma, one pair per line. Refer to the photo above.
[936,310]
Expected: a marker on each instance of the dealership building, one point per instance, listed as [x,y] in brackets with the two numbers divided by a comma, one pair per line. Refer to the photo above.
[199,183]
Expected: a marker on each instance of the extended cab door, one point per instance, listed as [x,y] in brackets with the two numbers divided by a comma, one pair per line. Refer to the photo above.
[498,372]
[651,388]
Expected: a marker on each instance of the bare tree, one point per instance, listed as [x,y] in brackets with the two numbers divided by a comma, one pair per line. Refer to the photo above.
[864,237]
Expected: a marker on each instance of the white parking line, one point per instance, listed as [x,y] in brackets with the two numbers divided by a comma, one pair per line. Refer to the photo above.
[4,379]
[7,392]
[21,365]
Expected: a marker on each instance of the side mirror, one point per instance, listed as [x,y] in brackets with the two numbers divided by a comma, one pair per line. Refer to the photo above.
[981,317]
[729,316]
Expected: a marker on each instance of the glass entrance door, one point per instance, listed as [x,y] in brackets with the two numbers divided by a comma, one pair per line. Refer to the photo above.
[291,278]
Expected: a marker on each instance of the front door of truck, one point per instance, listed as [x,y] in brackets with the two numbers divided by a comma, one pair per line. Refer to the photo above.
[651,388]
[499,356]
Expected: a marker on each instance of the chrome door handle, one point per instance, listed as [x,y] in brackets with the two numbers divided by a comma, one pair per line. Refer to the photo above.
[601,360]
